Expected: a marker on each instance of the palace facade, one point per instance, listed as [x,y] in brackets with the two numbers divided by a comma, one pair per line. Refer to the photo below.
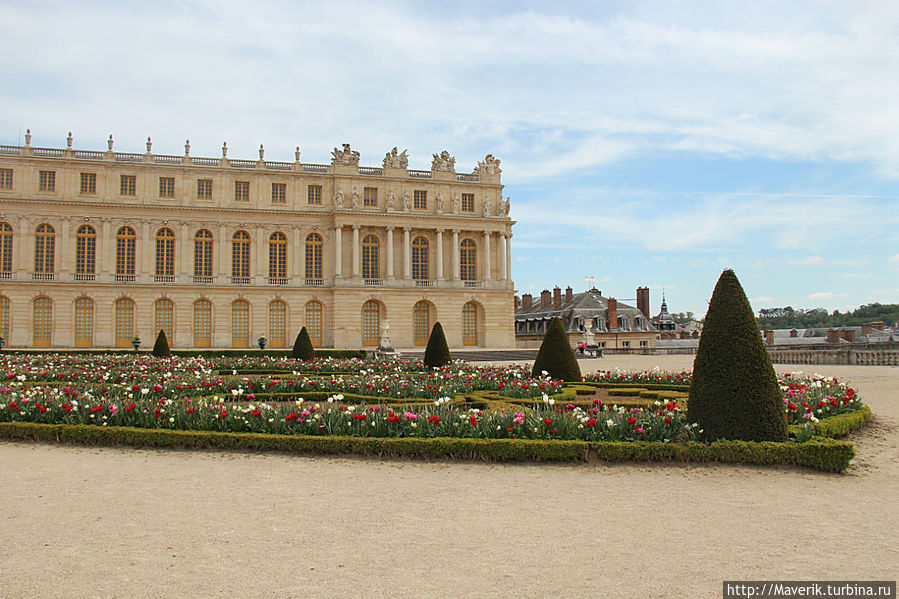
[97,248]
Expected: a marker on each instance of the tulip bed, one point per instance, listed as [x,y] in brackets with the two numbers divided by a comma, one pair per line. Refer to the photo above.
[351,398]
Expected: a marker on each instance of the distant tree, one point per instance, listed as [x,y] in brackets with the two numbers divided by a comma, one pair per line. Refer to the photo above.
[437,352]
[161,347]
[302,347]
[556,356]
[734,393]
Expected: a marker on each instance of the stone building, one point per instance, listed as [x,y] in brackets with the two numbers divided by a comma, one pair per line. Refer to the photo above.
[588,317]
[97,247]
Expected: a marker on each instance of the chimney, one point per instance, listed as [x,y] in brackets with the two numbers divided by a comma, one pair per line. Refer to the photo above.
[794,333]
[517,303]
[848,335]
[769,336]
[612,312]
[557,297]
[867,329]
[526,301]
[643,300]
[546,298]
[569,295]
[833,336]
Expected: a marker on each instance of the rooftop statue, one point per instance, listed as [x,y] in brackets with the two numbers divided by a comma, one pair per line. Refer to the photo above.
[444,162]
[488,166]
[345,157]
[394,160]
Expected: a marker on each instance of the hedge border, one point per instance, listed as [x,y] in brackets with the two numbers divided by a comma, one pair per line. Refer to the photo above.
[840,425]
[827,455]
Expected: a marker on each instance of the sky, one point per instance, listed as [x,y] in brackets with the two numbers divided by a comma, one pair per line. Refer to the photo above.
[643,143]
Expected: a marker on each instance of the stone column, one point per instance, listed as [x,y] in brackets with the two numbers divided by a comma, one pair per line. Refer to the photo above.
[439,254]
[338,249]
[508,274]
[146,249]
[501,249]
[105,253]
[389,252]
[261,248]
[356,251]
[295,258]
[64,248]
[183,265]
[456,273]
[407,254]
[486,255]
[23,246]
[223,254]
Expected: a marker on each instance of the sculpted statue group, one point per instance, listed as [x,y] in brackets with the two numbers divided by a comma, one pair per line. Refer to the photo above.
[345,157]
[394,160]
[488,166]
[443,162]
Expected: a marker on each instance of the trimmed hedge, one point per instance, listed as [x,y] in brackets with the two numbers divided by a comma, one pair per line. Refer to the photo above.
[202,353]
[839,425]
[826,455]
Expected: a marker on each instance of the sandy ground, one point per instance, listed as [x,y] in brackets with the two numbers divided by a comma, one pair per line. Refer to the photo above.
[82,522]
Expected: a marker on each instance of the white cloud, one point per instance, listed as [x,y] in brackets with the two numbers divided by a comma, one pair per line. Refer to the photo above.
[827,295]
[852,275]
[811,260]
[761,299]
[893,258]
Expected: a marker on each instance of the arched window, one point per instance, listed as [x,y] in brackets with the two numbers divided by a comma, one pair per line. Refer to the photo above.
[44,249]
[371,323]
[202,323]
[165,318]
[420,258]
[240,255]
[470,324]
[5,247]
[84,322]
[421,322]
[165,253]
[4,317]
[240,323]
[124,322]
[203,255]
[43,322]
[314,322]
[313,256]
[277,323]
[371,257]
[468,256]
[277,256]
[125,251]
[85,250]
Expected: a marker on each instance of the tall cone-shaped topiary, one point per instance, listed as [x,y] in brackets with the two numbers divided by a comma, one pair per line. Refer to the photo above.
[556,356]
[302,347]
[734,394]
[161,347]
[437,352]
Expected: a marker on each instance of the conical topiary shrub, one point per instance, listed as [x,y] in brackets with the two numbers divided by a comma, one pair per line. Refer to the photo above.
[734,394]
[161,347]
[437,352]
[302,347]
[556,356]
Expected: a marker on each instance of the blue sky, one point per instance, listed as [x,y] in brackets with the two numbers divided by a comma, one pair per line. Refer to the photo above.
[642,143]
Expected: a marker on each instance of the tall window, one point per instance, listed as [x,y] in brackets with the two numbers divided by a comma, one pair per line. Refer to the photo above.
[277,255]
[314,195]
[421,322]
[240,254]
[203,253]
[124,322]
[125,252]
[467,202]
[202,323]
[5,178]
[277,324]
[241,191]
[89,183]
[44,249]
[470,324]
[47,181]
[5,248]
[128,185]
[420,258]
[165,318]
[85,250]
[420,199]
[240,323]
[370,257]
[43,322]
[279,193]
[314,322]
[468,255]
[313,256]
[371,323]
[84,322]
[370,197]
[165,253]
[166,187]
[4,317]
[204,189]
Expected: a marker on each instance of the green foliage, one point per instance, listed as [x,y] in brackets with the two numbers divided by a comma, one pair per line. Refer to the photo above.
[437,352]
[302,347]
[556,356]
[839,425]
[735,394]
[827,455]
[161,347]
[787,318]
